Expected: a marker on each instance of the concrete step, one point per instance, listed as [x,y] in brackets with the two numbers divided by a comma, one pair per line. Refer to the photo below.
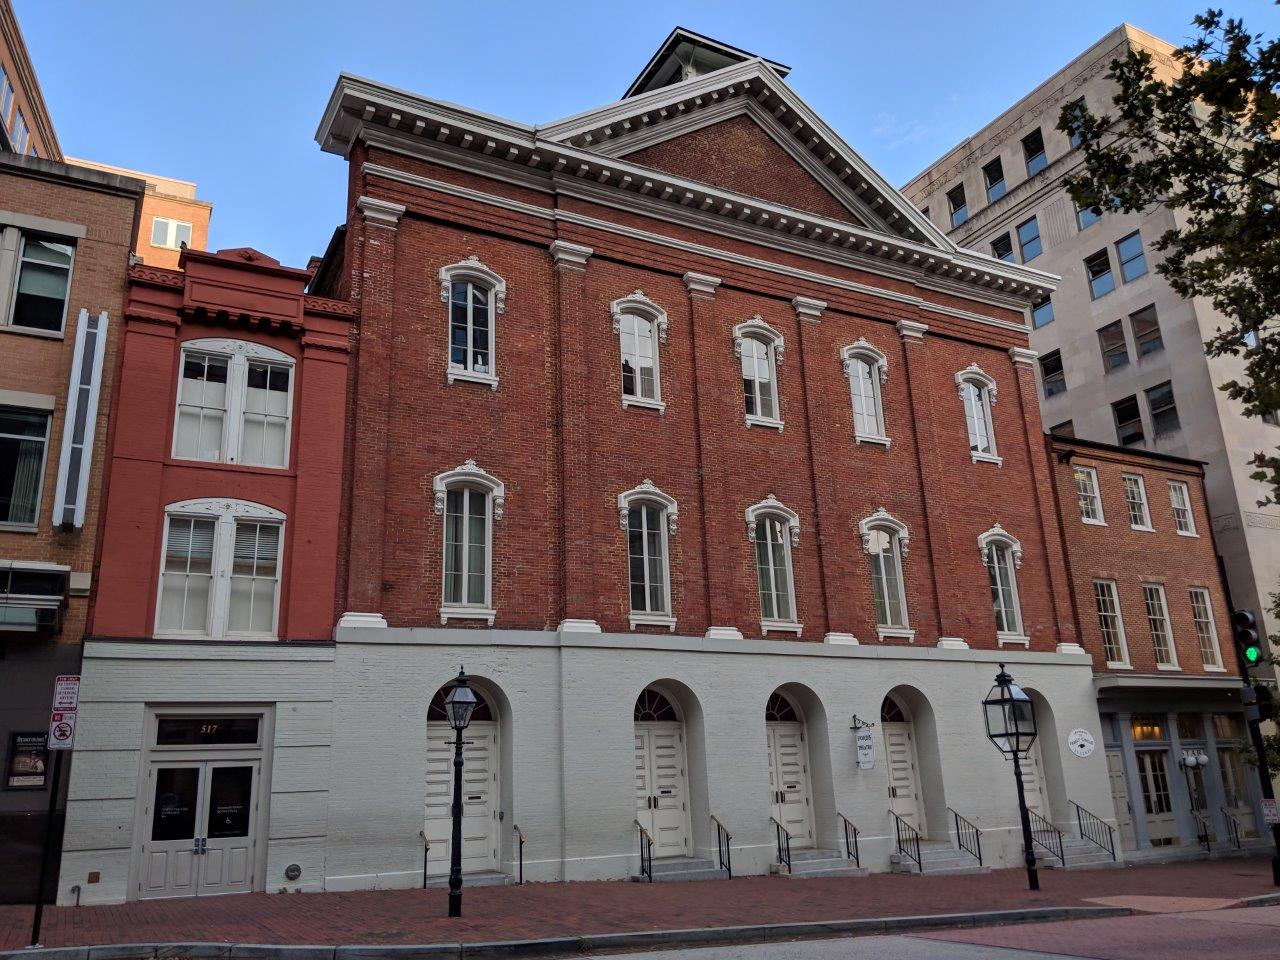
[1080,854]
[815,873]
[485,878]
[938,858]
[813,853]
[682,870]
[818,863]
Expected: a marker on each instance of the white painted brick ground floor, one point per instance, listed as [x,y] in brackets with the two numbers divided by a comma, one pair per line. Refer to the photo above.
[315,766]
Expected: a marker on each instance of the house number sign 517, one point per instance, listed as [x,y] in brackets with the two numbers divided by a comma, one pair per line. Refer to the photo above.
[1081,742]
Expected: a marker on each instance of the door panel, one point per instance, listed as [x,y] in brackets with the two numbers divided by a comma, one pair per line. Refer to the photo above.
[662,787]
[1162,825]
[1234,790]
[1120,799]
[480,792]
[169,861]
[904,776]
[789,781]
[226,866]
[1032,767]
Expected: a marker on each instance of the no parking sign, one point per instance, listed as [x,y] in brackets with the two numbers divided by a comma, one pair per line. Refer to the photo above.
[62,718]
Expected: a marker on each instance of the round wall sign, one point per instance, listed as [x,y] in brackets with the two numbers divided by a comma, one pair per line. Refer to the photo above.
[292,872]
[1081,742]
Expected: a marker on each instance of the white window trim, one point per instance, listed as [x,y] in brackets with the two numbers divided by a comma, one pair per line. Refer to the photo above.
[884,521]
[471,270]
[1146,504]
[647,494]
[470,475]
[225,512]
[1219,667]
[239,353]
[1191,514]
[755,328]
[23,236]
[999,535]
[1124,640]
[1168,626]
[169,231]
[988,390]
[861,349]
[773,508]
[638,305]
[1097,496]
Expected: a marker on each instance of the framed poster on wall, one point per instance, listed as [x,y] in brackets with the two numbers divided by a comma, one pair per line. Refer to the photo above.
[26,764]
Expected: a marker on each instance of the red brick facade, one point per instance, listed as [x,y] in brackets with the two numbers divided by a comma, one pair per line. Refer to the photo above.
[243,296]
[1132,557]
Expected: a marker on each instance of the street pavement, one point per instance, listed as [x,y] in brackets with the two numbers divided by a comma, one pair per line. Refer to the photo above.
[1249,932]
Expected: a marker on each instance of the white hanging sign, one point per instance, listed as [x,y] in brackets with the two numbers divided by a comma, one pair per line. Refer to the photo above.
[866,744]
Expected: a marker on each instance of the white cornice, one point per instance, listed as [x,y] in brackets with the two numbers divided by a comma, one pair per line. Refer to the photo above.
[807,308]
[565,254]
[701,284]
[911,330]
[382,212]
[1023,355]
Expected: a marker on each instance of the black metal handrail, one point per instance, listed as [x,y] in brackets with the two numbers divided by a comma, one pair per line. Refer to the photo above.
[784,843]
[1202,831]
[908,838]
[1047,835]
[520,843]
[1233,828]
[1094,829]
[723,848]
[968,836]
[850,839]
[646,851]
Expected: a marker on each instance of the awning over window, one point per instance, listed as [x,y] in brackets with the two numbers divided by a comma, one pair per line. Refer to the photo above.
[33,596]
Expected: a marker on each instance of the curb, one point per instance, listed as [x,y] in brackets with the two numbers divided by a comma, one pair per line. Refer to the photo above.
[550,946]
[1264,900]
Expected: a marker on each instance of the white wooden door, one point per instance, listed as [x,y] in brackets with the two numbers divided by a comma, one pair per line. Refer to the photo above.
[789,781]
[171,850]
[1120,799]
[1032,767]
[480,793]
[1162,825]
[1234,790]
[662,786]
[904,774]
[229,826]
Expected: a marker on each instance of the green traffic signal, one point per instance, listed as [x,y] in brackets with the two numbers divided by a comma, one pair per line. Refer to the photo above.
[1248,641]
[1253,654]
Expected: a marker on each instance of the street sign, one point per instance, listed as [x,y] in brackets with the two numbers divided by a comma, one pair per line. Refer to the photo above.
[866,744]
[62,718]
[1270,815]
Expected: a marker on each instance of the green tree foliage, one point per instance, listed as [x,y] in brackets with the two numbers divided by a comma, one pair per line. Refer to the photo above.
[1206,146]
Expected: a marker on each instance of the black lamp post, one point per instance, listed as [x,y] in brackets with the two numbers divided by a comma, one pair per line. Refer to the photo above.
[458,705]
[1011,726]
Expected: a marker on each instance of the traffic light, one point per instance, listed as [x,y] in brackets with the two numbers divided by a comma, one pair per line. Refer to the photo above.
[1244,628]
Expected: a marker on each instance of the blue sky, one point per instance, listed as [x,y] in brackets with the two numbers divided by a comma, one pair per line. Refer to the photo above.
[229,93]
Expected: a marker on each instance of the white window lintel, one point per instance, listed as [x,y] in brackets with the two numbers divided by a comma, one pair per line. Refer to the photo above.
[756,328]
[999,535]
[647,492]
[771,506]
[978,377]
[475,271]
[862,349]
[640,305]
[883,520]
[469,474]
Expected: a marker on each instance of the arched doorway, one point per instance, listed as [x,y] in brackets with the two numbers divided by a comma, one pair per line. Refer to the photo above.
[789,781]
[662,779]
[481,786]
[902,763]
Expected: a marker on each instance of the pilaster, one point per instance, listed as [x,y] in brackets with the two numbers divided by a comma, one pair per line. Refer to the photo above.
[809,314]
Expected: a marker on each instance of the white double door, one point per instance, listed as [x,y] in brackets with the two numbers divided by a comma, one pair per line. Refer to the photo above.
[480,793]
[662,787]
[200,828]
[789,781]
[904,774]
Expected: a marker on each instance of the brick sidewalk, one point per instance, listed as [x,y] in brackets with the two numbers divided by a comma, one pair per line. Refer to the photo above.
[568,909]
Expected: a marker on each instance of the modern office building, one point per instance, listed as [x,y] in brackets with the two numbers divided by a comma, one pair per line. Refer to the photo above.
[25,125]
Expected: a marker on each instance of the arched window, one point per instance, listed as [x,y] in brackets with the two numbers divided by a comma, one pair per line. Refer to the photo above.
[475,296]
[641,325]
[867,369]
[760,349]
[648,516]
[1002,554]
[436,711]
[891,711]
[886,543]
[652,706]
[774,528]
[470,500]
[235,400]
[779,709]
[221,572]
[978,394]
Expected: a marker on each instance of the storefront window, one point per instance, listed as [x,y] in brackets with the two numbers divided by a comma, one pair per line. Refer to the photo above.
[1148,726]
[1226,726]
[1190,726]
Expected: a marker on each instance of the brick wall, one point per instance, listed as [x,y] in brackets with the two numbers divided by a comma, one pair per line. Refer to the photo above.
[155,205]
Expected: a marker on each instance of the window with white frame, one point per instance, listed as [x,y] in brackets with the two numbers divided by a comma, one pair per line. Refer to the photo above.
[1088,496]
[641,326]
[24,444]
[475,297]
[648,517]
[867,370]
[1206,629]
[774,529]
[1184,520]
[235,402]
[978,394]
[885,541]
[1110,623]
[470,499]
[171,234]
[39,300]
[221,572]
[1135,498]
[1158,621]
[760,349]
[1002,554]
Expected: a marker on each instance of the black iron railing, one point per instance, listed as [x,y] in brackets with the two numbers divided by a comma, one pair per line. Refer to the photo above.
[1202,831]
[1094,829]
[850,840]
[784,844]
[723,849]
[1048,836]
[1233,827]
[908,838]
[968,836]
[646,851]
[520,849]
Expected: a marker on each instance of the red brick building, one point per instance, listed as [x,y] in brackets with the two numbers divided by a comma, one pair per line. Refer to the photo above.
[1154,616]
